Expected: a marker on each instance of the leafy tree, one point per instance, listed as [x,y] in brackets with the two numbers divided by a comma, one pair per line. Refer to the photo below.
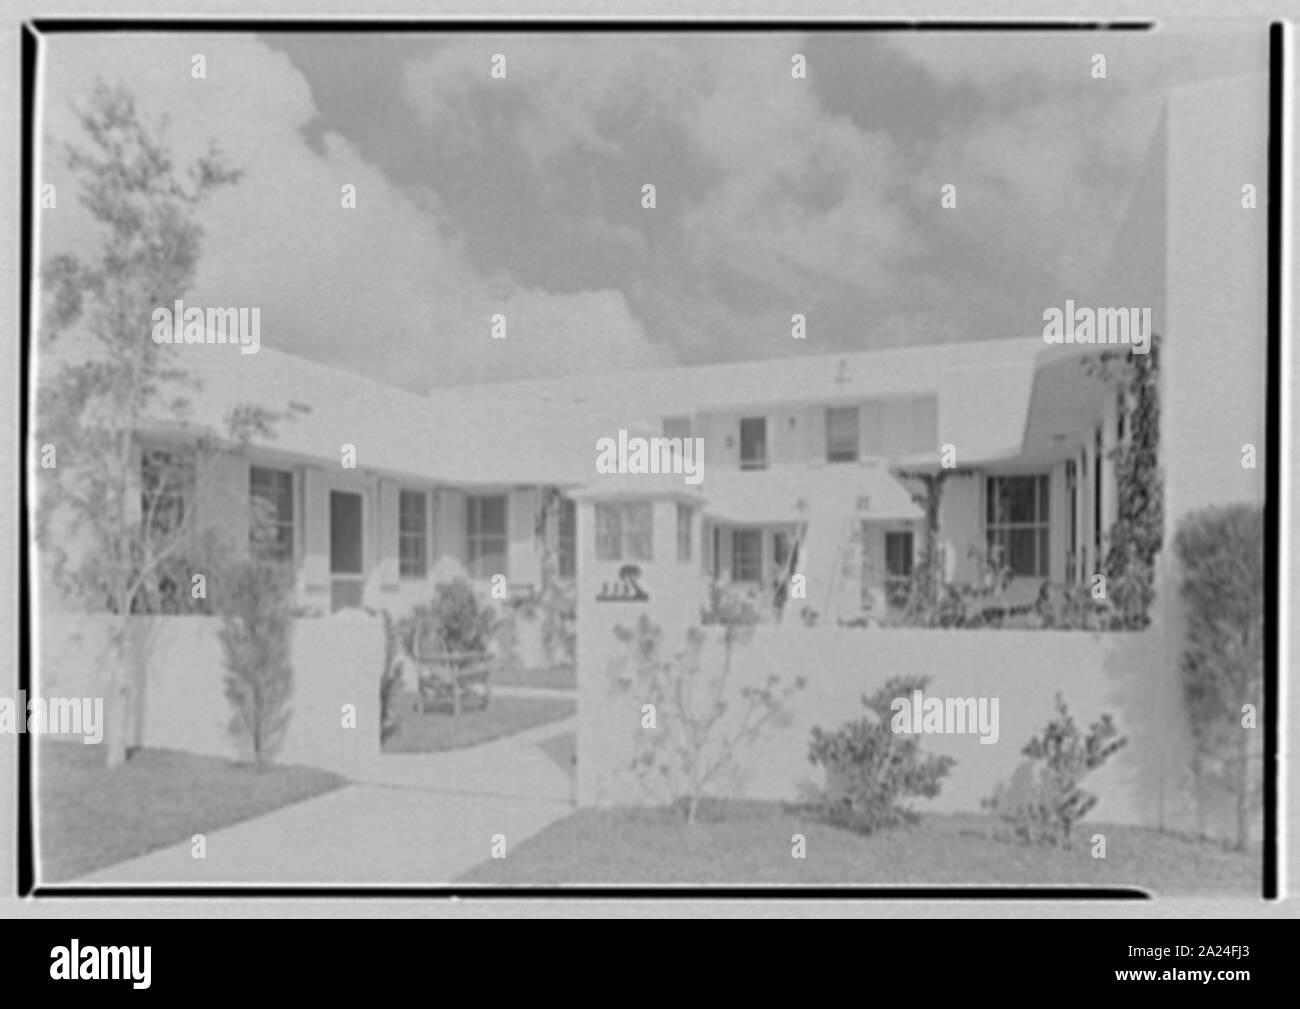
[704,719]
[128,511]
[1222,555]
[1046,811]
[256,600]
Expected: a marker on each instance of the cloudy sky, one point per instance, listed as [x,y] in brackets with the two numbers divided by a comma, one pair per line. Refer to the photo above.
[522,196]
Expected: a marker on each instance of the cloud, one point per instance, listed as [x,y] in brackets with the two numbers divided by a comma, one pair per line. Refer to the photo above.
[780,194]
[559,94]
[387,288]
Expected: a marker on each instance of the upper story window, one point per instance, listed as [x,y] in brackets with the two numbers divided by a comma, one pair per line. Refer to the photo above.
[413,534]
[753,443]
[1016,522]
[485,535]
[271,530]
[842,434]
[677,427]
[624,532]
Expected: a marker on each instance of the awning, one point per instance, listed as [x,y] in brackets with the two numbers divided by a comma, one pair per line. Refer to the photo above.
[788,494]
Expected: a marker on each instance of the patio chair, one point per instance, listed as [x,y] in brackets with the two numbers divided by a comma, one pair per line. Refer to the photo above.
[458,677]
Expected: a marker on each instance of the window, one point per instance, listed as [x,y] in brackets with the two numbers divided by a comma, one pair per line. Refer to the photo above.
[164,479]
[1017,523]
[684,516]
[624,532]
[898,568]
[842,434]
[677,427]
[568,539]
[898,554]
[271,526]
[747,555]
[753,443]
[413,534]
[485,535]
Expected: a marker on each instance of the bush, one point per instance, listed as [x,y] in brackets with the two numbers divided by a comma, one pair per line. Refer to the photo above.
[556,605]
[255,599]
[1046,808]
[870,768]
[455,621]
[1073,608]
[390,680]
[1222,554]
[700,731]
[730,605]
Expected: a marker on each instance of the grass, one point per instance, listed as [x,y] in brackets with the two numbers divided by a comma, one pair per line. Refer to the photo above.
[437,729]
[91,817]
[750,843]
[560,677]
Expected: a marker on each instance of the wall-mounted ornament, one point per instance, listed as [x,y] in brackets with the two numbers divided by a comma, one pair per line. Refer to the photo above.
[626,590]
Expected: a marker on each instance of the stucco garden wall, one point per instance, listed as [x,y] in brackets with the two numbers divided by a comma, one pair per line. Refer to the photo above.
[182,706]
[1121,674]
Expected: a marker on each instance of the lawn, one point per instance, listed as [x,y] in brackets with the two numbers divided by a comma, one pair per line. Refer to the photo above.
[90,817]
[560,677]
[750,842]
[438,729]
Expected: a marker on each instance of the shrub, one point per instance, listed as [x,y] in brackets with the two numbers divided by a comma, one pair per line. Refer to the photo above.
[1073,608]
[558,602]
[256,604]
[700,729]
[870,768]
[1051,802]
[730,605]
[390,680]
[1222,554]
[454,621]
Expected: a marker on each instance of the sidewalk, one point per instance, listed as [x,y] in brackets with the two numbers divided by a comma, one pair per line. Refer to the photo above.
[413,819]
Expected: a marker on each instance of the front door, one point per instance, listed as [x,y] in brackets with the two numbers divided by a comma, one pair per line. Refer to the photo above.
[347,549]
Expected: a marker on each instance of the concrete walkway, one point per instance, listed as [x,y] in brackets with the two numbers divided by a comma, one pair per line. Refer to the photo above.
[410,819]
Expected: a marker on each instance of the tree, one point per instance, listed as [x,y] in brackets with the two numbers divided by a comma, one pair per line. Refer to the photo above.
[130,513]
[1221,551]
[256,596]
[708,718]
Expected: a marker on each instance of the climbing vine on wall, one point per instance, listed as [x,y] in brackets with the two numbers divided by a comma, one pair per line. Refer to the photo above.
[1137,533]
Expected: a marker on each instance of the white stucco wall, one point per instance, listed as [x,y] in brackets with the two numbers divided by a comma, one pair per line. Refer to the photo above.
[180,700]
[1116,673]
